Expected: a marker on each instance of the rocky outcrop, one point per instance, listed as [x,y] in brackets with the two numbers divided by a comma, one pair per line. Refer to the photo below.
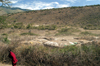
[49,43]
[54,41]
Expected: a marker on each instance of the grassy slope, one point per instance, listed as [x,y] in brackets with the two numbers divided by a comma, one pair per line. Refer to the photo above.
[76,16]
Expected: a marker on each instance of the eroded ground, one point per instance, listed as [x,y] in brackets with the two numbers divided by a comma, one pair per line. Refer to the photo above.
[50,37]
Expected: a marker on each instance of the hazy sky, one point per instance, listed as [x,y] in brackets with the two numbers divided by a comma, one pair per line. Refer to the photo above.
[48,4]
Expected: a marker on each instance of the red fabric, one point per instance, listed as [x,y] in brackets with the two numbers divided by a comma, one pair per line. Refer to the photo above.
[14,60]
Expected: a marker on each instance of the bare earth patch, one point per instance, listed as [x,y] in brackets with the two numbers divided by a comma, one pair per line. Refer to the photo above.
[4,64]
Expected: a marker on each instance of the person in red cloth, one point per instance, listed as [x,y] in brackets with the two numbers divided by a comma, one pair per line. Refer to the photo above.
[13,57]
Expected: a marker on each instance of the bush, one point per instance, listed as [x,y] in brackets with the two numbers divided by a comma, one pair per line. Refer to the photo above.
[90,27]
[6,40]
[28,34]
[29,26]
[86,54]
[86,33]
[18,25]
[5,34]
[48,27]
[67,31]
[51,27]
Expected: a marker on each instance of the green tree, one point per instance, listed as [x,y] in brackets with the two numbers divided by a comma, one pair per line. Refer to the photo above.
[5,2]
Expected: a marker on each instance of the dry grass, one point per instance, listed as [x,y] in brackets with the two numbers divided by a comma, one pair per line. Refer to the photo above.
[85,55]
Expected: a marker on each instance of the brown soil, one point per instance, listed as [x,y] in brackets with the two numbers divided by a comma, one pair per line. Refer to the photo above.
[4,64]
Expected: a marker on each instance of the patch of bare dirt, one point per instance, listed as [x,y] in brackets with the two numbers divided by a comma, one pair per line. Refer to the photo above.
[4,64]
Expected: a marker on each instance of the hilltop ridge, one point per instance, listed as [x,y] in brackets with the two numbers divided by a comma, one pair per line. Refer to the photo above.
[8,10]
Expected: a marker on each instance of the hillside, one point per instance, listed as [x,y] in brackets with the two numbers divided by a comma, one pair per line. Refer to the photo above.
[7,10]
[86,17]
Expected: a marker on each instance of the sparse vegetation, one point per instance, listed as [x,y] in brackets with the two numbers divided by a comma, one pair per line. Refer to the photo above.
[87,54]
[29,26]
[3,24]
[89,34]
[5,34]
[28,34]
[73,7]
[18,25]
[86,33]
[6,40]
[48,27]
[67,31]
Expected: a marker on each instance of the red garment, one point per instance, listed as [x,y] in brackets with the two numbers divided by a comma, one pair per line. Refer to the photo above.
[14,60]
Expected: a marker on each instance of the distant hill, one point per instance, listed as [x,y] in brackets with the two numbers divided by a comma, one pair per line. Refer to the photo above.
[7,10]
[87,17]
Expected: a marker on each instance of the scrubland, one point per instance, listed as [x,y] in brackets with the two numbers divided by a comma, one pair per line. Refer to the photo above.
[76,30]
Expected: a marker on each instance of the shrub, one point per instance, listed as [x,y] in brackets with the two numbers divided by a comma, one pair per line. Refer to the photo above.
[86,33]
[5,34]
[6,40]
[14,21]
[74,7]
[28,34]
[90,27]
[18,25]
[48,27]
[51,27]
[41,28]
[66,31]
[29,26]
[86,54]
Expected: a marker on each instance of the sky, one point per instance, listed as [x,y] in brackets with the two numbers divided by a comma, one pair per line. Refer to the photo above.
[49,4]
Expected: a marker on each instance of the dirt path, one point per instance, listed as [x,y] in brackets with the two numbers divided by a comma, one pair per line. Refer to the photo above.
[4,64]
